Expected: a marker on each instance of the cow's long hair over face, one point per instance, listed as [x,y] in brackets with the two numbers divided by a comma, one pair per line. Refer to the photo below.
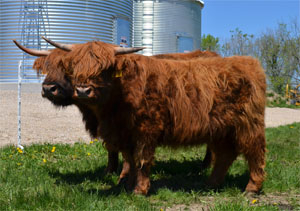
[52,66]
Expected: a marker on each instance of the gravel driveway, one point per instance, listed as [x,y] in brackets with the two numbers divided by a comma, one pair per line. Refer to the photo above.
[42,122]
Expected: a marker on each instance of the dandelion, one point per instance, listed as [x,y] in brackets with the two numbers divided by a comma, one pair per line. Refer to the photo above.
[95,140]
[53,149]
[88,154]
[91,142]
[274,203]
[19,164]
[254,201]
[161,209]
[19,150]
[44,160]
[291,126]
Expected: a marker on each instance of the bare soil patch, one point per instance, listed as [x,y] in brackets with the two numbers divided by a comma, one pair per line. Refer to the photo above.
[282,201]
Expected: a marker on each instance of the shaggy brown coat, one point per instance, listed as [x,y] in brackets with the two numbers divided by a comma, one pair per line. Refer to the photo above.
[215,101]
[52,66]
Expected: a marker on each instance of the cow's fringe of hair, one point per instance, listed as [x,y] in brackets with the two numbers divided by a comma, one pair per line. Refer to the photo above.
[50,63]
[87,60]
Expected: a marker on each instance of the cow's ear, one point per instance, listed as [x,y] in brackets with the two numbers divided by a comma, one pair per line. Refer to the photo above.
[121,50]
[39,64]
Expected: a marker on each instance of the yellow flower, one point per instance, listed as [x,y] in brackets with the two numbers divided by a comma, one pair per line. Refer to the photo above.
[88,154]
[19,164]
[19,150]
[292,127]
[91,142]
[161,209]
[53,149]
[44,160]
[254,201]
[10,156]
[95,140]
[274,203]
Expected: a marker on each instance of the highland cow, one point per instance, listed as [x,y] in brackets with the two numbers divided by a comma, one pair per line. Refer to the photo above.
[215,101]
[57,88]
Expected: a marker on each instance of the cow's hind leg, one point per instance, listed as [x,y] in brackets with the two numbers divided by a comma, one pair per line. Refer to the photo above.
[255,155]
[225,154]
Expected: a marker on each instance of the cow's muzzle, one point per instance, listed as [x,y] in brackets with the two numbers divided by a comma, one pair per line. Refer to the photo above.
[83,92]
[49,90]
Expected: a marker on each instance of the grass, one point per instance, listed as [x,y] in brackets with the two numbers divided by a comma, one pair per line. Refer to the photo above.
[71,177]
[280,103]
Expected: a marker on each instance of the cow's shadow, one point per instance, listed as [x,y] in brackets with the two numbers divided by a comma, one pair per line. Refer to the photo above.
[75,178]
[187,176]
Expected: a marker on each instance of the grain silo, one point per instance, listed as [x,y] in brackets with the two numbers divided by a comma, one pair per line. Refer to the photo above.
[167,26]
[68,21]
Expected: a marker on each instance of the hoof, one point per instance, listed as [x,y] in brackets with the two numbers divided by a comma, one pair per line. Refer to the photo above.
[122,181]
[252,188]
[140,191]
[250,195]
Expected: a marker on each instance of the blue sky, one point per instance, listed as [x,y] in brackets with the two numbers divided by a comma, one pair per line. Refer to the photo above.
[250,16]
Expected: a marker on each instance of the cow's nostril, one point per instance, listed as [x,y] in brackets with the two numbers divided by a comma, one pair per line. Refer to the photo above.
[78,91]
[53,88]
[88,91]
[83,92]
[49,89]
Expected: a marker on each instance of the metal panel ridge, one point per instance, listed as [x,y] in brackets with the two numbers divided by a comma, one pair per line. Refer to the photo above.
[67,21]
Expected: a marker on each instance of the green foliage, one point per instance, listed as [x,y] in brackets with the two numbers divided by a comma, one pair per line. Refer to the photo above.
[239,44]
[209,42]
[71,177]
[279,53]
[277,49]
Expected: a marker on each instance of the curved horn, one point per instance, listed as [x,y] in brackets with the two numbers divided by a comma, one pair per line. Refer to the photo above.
[32,51]
[121,50]
[65,47]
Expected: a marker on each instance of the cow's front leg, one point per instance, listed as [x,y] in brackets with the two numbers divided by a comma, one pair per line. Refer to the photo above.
[138,176]
[125,170]
[131,171]
[144,158]
[113,161]
[142,180]
[225,154]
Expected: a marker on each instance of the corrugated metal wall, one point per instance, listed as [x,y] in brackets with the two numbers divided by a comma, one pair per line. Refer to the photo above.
[159,25]
[163,26]
[68,21]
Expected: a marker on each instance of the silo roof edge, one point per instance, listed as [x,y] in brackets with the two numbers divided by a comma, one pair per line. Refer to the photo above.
[201,2]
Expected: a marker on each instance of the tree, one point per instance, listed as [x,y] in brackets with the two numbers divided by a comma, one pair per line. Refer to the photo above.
[277,49]
[280,56]
[209,42]
[239,44]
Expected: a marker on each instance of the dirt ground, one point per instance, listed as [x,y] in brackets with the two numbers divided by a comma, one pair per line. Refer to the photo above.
[42,122]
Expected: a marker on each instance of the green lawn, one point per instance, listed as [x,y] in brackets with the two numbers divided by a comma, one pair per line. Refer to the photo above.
[71,177]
